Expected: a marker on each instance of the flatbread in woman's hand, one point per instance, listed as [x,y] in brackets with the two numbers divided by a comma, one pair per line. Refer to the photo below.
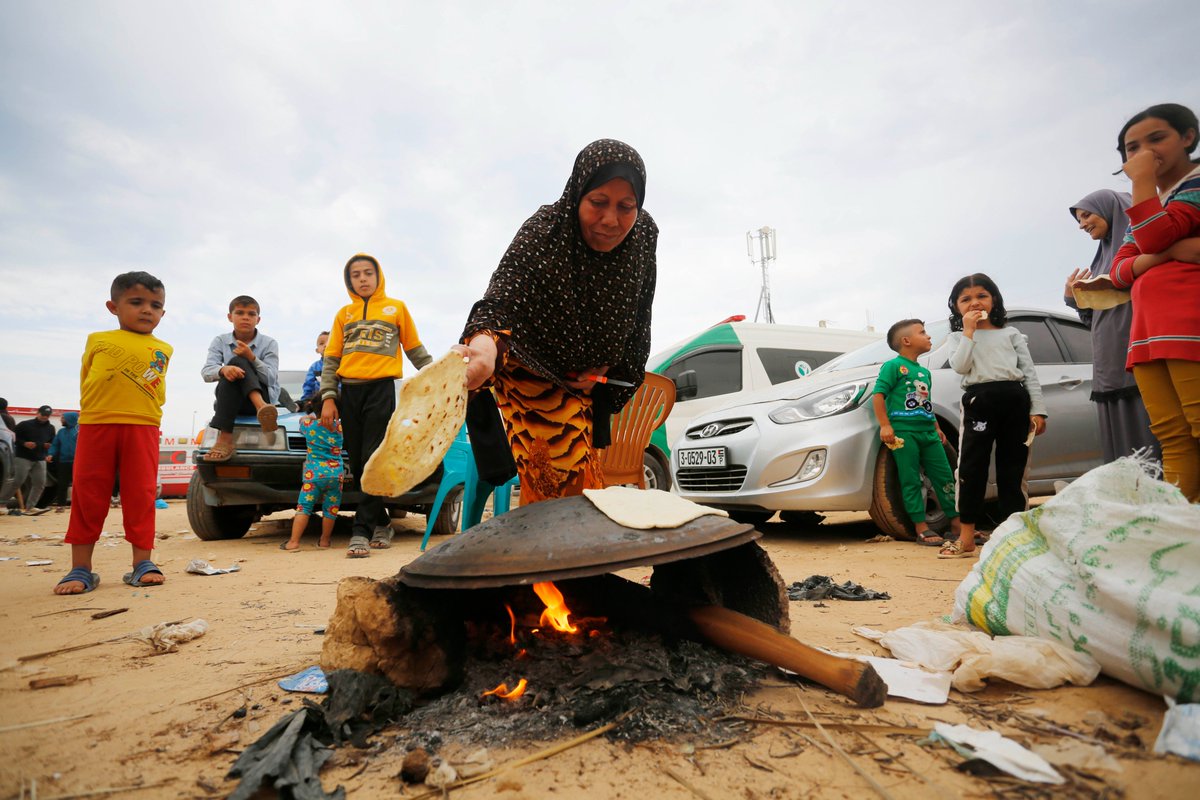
[429,413]
[1098,293]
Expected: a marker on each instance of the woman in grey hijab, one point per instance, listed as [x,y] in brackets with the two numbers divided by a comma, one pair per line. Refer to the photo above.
[1124,424]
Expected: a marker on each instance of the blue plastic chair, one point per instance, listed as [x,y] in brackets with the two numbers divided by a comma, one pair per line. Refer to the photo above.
[475,496]
[459,470]
[455,467]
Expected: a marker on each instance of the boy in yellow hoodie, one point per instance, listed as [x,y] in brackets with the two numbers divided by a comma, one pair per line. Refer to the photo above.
[363,353]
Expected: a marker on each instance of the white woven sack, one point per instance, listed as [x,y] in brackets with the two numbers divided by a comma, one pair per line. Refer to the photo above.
[1109,567]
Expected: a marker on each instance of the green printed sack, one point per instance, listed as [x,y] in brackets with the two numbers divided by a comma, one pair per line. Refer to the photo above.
[1111,568]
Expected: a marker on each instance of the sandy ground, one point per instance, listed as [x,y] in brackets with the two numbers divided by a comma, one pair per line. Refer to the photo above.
[166,722]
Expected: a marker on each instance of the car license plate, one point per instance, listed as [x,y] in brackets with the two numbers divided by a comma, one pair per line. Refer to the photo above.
[702,457]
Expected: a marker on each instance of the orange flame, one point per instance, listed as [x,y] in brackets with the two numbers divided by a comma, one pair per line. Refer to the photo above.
[557,615]
[502,691]
[512,630]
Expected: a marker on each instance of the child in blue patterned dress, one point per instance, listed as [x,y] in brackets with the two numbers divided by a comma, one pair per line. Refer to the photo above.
[323,471]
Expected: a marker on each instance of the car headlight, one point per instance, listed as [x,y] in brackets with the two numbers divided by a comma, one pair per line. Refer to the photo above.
[824,403]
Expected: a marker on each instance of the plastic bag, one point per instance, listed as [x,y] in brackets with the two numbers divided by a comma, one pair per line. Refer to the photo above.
[973,656]
[1107,568]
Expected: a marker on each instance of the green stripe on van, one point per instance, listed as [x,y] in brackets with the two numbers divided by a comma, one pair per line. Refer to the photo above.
[718,334]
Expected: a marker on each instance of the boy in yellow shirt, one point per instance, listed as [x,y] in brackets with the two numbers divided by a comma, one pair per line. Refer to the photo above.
[363,358]
[122,391]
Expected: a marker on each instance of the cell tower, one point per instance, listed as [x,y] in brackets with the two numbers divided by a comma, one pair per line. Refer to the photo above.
[762,254]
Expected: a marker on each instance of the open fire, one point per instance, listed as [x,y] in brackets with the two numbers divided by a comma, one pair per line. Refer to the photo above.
[556,615]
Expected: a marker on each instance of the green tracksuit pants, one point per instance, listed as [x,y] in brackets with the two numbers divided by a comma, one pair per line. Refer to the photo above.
[923,450]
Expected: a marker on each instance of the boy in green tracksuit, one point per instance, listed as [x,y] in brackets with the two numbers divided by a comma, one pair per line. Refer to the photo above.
[908,427]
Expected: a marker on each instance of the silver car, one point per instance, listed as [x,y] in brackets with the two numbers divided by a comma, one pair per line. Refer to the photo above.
[812,444]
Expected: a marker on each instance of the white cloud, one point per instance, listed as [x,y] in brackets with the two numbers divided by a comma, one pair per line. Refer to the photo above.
[233,148]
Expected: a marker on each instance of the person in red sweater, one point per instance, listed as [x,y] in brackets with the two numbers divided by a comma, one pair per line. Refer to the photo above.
[1158,263]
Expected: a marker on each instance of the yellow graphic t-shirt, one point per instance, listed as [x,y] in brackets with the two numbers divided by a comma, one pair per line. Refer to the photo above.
[123,380]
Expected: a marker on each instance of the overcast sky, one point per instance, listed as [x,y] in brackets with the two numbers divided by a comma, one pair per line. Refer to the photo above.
[251,148]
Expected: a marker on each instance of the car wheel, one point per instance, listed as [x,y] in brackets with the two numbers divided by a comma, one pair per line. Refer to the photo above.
[211,523]
[750,516]
[657,476]
[887,501]
[450,514]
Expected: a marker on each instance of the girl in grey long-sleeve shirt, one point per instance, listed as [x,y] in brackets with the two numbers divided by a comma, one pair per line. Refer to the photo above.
[1001,405]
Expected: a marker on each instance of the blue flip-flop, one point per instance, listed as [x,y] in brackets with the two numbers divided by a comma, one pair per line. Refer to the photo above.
[89,579]
[141,570]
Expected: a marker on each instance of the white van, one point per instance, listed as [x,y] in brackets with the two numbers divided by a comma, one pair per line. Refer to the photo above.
[717,366]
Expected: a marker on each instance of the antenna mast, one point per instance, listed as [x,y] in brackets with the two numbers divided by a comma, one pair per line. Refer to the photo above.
[765,237]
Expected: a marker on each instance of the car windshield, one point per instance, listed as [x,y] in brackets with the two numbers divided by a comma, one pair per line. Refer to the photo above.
[291,386]
[879,352]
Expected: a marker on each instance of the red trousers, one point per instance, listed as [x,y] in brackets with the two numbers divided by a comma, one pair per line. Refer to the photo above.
[101,454]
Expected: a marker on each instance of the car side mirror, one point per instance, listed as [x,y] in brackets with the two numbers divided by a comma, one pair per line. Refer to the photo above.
[685,385]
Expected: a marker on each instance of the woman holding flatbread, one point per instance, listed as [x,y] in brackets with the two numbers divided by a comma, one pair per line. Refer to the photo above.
[1124,424]
[562,334]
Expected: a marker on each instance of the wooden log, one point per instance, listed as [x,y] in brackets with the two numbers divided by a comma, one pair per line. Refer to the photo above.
[746,636]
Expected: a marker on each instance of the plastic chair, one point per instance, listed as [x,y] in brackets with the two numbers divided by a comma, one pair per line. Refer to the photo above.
[456,466]
[631,430]
[476,493]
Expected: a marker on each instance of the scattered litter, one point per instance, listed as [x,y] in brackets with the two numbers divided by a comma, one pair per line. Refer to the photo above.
[162,536]
[415,767]
[310,679]
[160,504]
[198,566]
[1077,754]
[165,637]
[974,656]
[291,753]
[821,587]
[33,536]
[999,751]
[188,536]
[442,775]
[880,539]
[908,680]
[1180,732]
[41,562]
[9,558]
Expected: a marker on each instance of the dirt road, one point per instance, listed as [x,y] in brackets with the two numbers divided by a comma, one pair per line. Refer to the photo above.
[172,723]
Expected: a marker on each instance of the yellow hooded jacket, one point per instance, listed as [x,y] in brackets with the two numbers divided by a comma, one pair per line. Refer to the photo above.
[366,337]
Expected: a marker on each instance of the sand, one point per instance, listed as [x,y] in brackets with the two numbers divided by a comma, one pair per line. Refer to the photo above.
[166,722]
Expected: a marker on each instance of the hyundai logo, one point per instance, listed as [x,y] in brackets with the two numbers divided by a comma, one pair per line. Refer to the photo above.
[711,429]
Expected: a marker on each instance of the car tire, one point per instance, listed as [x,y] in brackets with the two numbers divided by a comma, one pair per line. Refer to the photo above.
[887,501]
[450,514]
[750,516]
[212,523]
[657,475]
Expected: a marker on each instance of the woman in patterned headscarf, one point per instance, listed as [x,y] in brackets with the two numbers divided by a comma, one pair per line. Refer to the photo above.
[568,305]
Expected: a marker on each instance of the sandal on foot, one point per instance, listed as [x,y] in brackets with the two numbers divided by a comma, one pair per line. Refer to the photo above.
[930,539]
[360,547]
[382,539]
[268,419]
[220,452]
[981,538]
[954,550]
[89,579]
[141,570]
[284,547]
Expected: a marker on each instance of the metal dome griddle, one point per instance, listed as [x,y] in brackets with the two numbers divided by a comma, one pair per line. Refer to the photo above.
[560,539]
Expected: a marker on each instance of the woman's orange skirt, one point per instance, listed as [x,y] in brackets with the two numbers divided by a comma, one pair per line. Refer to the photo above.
[550,431]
